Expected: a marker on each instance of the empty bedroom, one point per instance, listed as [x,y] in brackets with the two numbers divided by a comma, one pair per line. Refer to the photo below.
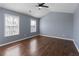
[39,29]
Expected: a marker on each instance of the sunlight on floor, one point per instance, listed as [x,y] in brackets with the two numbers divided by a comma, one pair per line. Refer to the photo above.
[13,51]
[33,47]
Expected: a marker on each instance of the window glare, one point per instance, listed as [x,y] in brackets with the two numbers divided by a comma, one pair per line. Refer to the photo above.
[11,25]
[33,25]
[33,22]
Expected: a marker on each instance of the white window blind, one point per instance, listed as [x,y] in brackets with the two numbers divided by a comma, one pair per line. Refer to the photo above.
[33,25]
[11,25]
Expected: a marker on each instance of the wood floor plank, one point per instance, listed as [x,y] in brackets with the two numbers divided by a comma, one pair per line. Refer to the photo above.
[40,46]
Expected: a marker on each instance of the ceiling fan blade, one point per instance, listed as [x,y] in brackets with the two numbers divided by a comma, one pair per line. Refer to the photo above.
[45,6]
[41,4]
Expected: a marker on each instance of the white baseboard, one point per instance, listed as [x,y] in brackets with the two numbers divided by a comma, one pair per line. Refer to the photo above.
[64,39]
[57,37]
[76,45]
[42,35]
[18,40]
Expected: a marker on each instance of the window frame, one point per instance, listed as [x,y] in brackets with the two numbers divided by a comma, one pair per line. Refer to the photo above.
[11,25]
[32,30]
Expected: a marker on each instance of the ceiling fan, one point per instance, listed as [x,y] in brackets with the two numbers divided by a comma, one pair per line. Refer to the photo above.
[41,5]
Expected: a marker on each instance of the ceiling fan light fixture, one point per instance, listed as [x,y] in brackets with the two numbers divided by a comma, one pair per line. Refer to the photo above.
[40,7]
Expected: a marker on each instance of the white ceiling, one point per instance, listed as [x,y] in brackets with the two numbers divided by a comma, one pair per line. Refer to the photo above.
[53,7]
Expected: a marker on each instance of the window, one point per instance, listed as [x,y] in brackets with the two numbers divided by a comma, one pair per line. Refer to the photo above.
[11,25]
[33,25]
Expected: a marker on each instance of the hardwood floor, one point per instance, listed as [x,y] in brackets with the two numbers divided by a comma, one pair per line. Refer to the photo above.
[40,46]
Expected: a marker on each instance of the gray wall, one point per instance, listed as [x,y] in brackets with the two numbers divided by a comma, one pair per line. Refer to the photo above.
[76,27]
[57,24]
[24,26]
